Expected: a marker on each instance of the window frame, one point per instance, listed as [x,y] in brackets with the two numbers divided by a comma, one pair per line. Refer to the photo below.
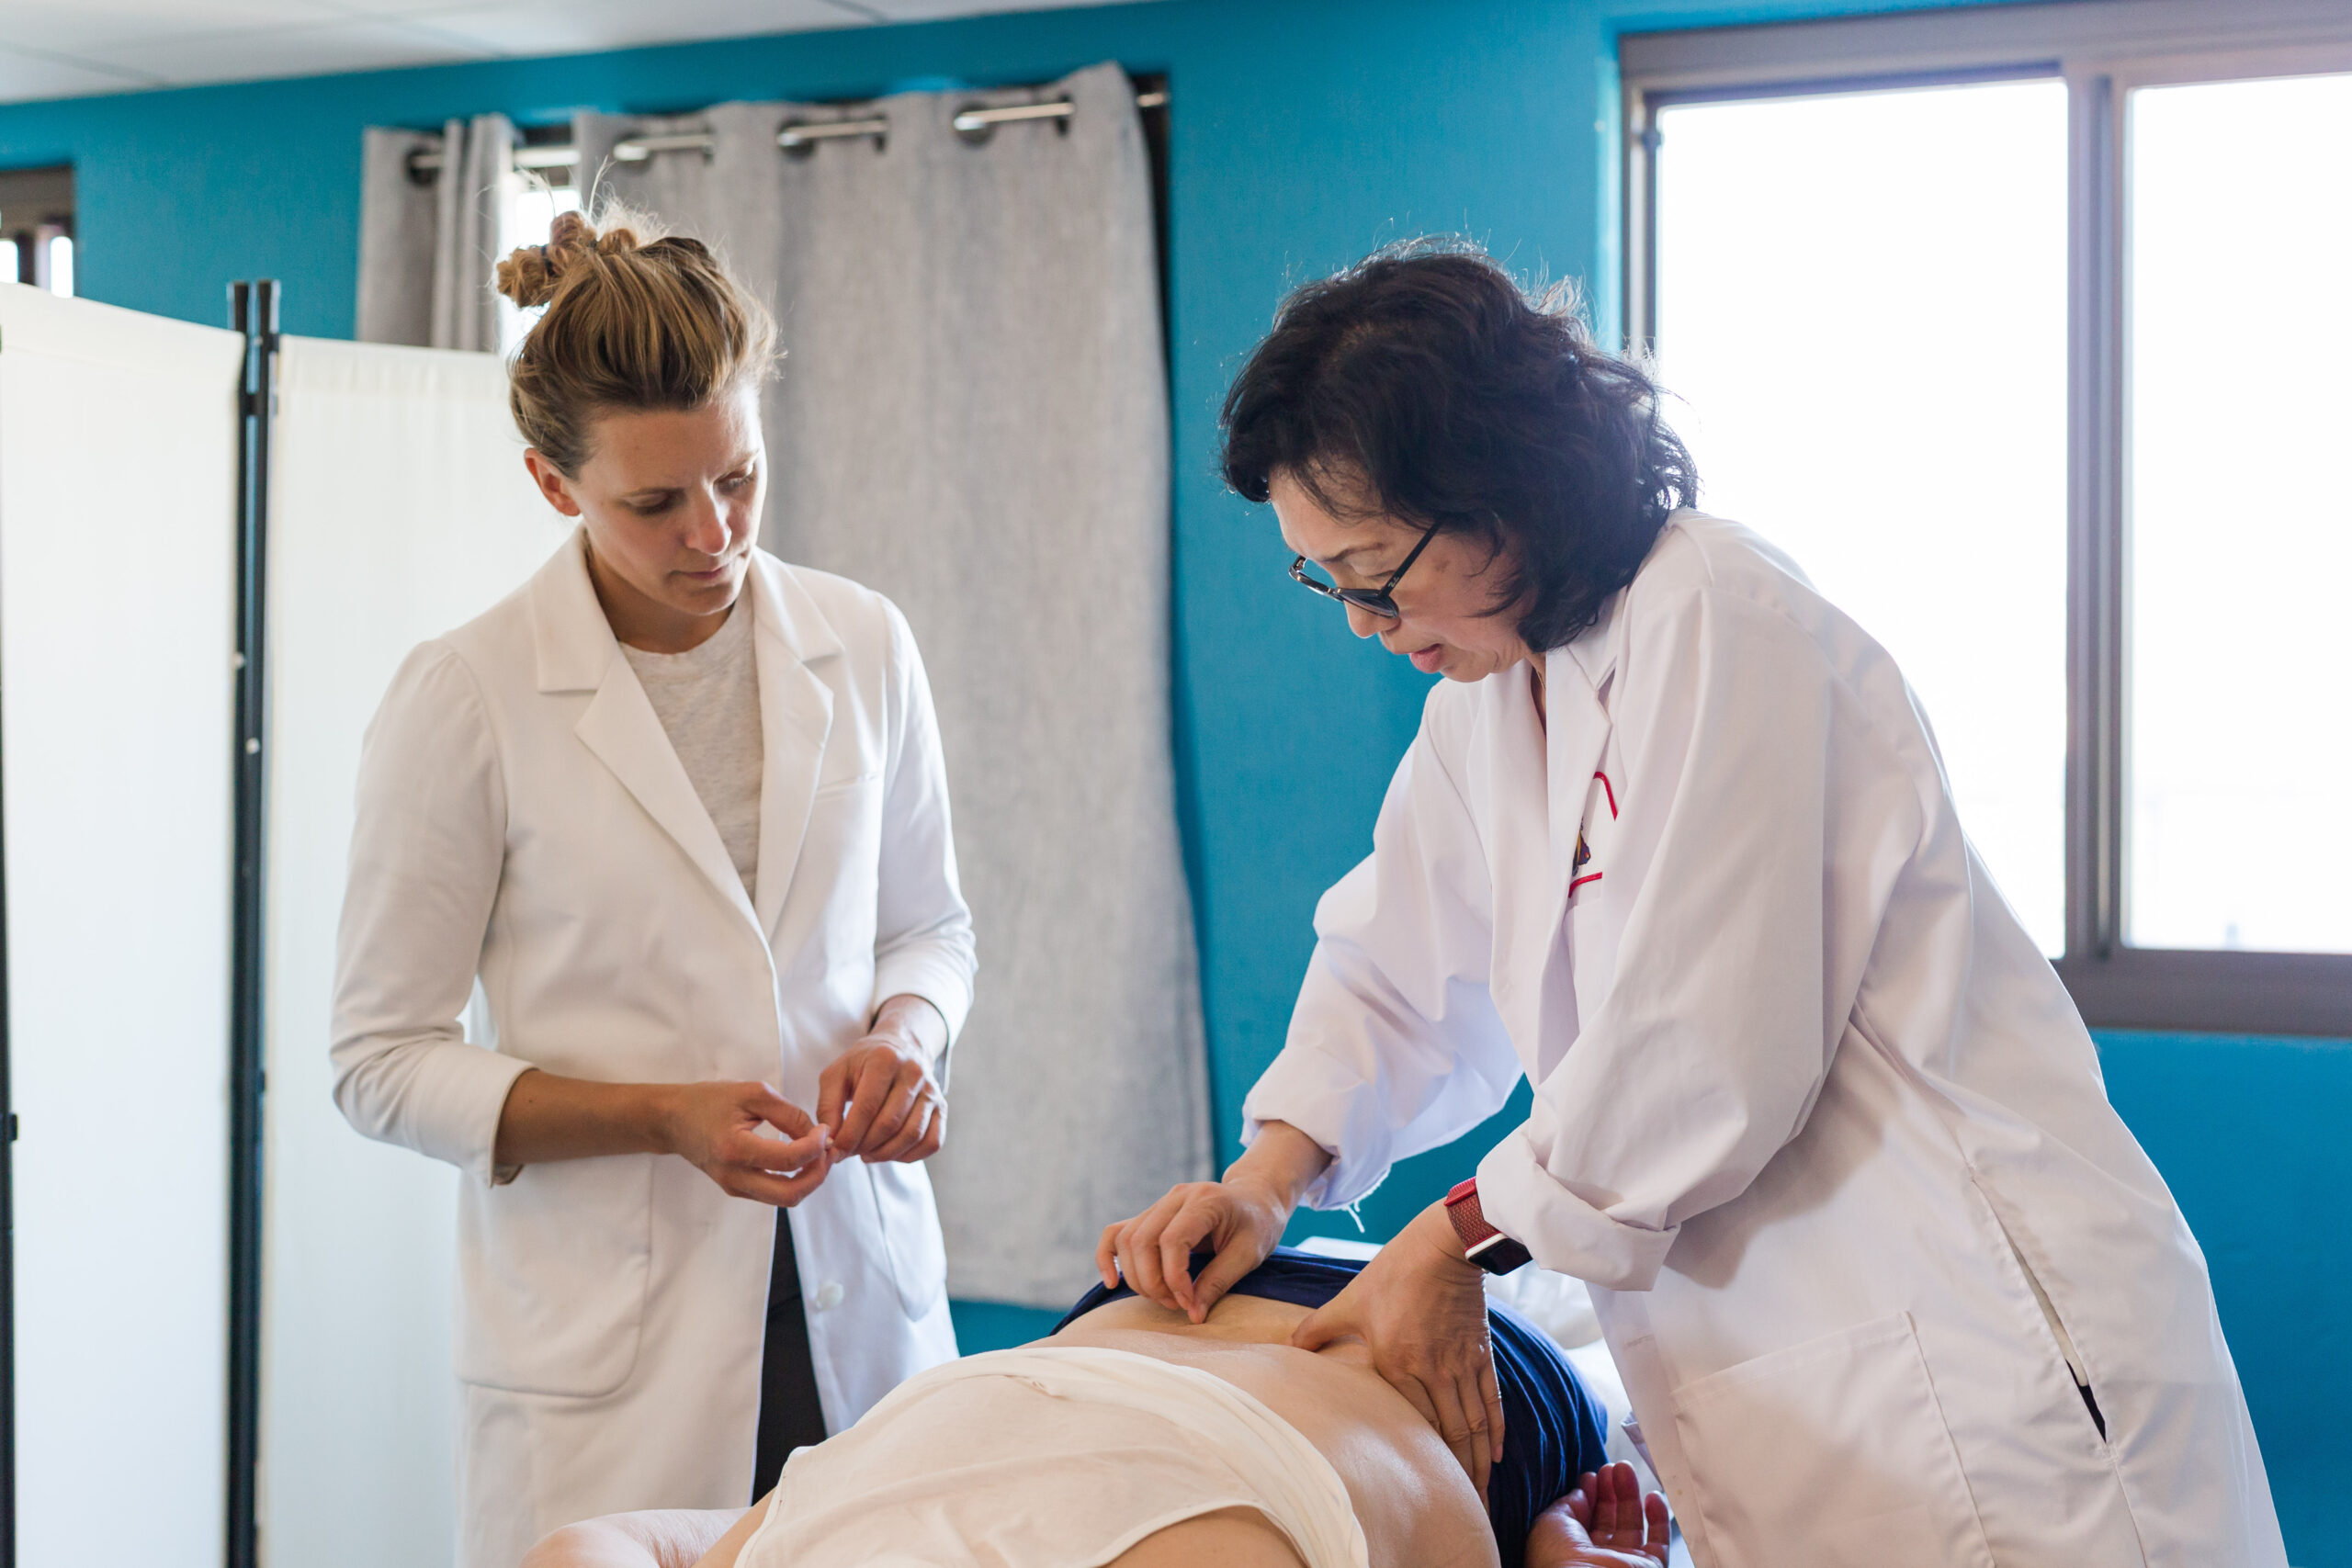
[2102,49]
[48,191]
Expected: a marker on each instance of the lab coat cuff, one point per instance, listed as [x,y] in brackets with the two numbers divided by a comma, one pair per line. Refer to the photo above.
[937,980]
[473,1083]
[1560,1230]
[1308,1097]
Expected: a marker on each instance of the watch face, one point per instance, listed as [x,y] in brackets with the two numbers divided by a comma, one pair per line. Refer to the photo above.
[1500,1254]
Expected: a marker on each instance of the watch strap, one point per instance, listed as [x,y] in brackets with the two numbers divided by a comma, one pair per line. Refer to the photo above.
[1482,1244]
[1469,1220]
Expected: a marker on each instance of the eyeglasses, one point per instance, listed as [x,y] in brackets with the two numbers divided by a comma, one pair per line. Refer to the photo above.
[1374,601]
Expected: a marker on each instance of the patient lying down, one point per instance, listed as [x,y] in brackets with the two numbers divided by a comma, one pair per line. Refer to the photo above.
[1133,1437]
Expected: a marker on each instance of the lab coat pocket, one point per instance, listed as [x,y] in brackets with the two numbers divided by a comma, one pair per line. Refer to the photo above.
[552,1273]
[908,1217]
[1833,1453]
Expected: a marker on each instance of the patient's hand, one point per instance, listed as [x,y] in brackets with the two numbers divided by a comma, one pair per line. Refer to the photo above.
[1604,1523]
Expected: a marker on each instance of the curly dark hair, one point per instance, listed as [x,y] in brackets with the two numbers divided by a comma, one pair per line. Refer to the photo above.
[1423,384]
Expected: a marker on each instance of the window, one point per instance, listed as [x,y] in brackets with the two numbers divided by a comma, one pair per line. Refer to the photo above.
[1832,271]
[531,207]
[2238,496]
[37,226]
[2021,329]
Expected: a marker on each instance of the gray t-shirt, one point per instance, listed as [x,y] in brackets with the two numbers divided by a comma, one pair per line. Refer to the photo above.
[707,699]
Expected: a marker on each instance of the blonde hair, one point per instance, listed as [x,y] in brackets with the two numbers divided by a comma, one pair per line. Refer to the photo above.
[631,322]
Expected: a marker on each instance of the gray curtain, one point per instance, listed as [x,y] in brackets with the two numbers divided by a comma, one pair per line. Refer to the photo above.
[972,418]
[429,248]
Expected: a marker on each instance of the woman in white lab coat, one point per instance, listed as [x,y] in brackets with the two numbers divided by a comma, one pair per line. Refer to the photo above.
[1887,1278]
[681,808]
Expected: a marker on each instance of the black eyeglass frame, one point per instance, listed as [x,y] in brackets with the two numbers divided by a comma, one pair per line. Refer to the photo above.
[1374,600]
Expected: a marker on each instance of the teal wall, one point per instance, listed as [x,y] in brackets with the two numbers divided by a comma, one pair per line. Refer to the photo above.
[2250,1136]
[1306,133]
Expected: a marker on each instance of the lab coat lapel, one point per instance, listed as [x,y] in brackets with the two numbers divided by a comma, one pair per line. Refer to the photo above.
[1517,817]
[795,717]
[1537,781]
[1575,735]
[577,652]
[1578,677]
[621,727]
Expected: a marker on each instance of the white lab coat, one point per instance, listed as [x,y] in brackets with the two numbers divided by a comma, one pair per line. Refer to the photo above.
[522,817]
[1809,1103]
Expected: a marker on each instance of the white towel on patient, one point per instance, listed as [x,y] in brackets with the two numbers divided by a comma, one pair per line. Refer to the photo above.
[1048,1457]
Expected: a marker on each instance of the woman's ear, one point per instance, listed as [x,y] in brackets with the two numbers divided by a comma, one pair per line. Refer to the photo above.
[551,482]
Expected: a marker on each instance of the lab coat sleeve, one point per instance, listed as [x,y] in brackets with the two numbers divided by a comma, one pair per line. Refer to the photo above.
[923,942]
[427,847]
[1703,1051]
[1394,1046]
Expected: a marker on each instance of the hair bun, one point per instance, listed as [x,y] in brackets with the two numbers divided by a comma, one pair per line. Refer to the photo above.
[637,318]
[530,274]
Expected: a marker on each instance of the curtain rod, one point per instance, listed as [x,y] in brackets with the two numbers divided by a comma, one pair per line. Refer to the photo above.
[792,136]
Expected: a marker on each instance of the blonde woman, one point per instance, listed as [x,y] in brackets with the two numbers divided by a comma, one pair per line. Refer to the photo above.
[680,808]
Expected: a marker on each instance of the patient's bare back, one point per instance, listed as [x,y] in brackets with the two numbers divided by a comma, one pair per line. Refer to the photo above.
[1417,1507]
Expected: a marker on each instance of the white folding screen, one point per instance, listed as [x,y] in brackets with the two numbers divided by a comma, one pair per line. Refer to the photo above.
[118,497]
[398,509]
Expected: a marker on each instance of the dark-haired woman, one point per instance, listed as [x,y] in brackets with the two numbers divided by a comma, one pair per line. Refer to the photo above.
[1887,1278]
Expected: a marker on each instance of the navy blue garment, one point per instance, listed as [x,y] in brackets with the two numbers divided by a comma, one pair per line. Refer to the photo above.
[1551,1425]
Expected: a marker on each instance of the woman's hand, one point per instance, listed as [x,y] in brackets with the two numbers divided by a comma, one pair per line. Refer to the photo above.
[1240,1219]
[1604,1523]
[878,1098]
[729,1132]
[1419,1306]
[745,1137]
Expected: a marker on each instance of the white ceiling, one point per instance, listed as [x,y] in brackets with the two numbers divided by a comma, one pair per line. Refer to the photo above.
[56,48]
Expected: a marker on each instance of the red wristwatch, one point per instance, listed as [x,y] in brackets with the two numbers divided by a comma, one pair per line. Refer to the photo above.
[1482,1243]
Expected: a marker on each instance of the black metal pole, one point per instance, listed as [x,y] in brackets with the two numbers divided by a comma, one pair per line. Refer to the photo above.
[254,307]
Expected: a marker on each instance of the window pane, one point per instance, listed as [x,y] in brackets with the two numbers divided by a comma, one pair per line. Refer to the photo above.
[2240,222]
[529,212]
[60,264]
[1862,307]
